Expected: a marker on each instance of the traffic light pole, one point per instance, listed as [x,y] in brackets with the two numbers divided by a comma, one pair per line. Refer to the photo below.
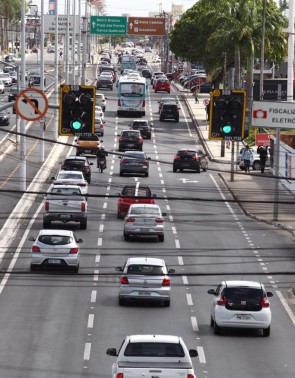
[232,161]
[23,170]
[42,126]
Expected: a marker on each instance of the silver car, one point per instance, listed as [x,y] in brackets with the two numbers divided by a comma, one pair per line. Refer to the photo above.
[134,162]
[7,80]
[58,248]
[145,278]
[1,86]
[144,220]
[71,178]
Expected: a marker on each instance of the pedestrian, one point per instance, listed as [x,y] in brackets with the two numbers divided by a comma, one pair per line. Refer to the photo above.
[246,156]
[196,95]
[262,157]
[92,58]
[60,54]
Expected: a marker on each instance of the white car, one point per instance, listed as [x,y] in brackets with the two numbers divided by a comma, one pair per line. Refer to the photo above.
[7,80]
[145,278]
[71,178]
[1,86]
[99,112]
[241,304]
[98,125]
[101,100]
[144,220]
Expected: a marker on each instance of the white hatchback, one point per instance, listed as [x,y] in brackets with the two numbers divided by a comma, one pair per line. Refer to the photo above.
[241,304]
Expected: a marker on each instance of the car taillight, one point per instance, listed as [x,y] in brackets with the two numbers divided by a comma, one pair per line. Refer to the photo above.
[35,249]
[103,100]
[82,184]
[123,161]
[264,302]
[83,207]
[176,157]
[130,220]
[166,281]
[190,376]
[101,126]
[46,206]
[119,102]
[121,138]
[140,139]
[143,103]
[77,143]
[195,157]
[124,281]
[74,250]
[159,220]
[145,162]
[222,301]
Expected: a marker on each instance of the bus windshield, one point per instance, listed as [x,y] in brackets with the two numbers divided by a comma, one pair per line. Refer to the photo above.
[132,89]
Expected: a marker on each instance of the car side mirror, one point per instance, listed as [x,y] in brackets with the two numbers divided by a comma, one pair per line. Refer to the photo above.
[148,158]
[118,194]
[164,214]
[171,271]
[80,241]
[111,352]
[269,294]
[101,141]
[119,269]
[76,140]
[193,353]
[151,124]
[211,291]
[90,163]
[154,195]
[103,122]
[53,178]
[31,238]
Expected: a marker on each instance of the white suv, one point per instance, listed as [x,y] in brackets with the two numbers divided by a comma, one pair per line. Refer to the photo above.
[240,304]
[101,101]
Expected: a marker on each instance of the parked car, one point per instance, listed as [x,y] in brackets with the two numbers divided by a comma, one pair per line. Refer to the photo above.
[51,49]
[130,140]
[190,159]
[99,112]
[12,96]
[144,220]
[78,163]
[169,111]
[162,85]
[133,193]
[143,127]
[13,76]
[55,248]
[240,304]
[134,162]
[9,59]
[7,80]
[71,178]
[4,118]
[255,159]
[203,88]
[35,78]
[145,279]
[2,86]
[101,100]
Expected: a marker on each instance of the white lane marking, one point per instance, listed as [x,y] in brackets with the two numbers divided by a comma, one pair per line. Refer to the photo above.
[101,227]
[177,244]
[93,296]
[160,175]
[162,182]
[90,321]
[171,218]
[95,276]
[221,194]
[99,242]
[174,230]
[189,299]
[136,188]
[112,167]
[180,260]
[87,350]
[168,208]
[103,216]
[97,259]
[108,188]
[201,355]
[185,280]
[194,324]
[163,189]
[159,169]
[110,179]
[186,121]
[286,306]
[105,205]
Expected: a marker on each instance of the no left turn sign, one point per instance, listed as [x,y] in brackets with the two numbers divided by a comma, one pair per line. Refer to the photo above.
[31,104]
[206,101]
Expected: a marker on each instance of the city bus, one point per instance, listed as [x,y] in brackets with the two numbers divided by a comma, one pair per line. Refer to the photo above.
[132,94]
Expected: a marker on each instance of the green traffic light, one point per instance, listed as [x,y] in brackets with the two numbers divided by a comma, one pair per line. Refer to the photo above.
[77,125]
[226,129]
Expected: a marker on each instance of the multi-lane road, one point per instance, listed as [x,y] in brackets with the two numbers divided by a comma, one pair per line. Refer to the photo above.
[60,325]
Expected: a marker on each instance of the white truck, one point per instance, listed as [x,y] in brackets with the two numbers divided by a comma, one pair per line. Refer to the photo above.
[65,203]
[153,356]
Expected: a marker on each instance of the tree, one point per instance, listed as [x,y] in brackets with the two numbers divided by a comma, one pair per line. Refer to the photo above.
[10,10]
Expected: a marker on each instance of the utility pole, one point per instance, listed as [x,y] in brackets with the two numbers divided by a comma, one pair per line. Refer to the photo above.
[56,57]
[23,171]
[42,125]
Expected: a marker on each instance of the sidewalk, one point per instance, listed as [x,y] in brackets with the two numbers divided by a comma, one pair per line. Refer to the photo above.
[256,188]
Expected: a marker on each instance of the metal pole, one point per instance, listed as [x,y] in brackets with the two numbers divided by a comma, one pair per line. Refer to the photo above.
[79,41]
[277,172]
[290,75]
[42,143]
[232,162]
[84,50]
[262,52]
[23,168]
[67,42]
[74,43]
[56,57]
[17,116]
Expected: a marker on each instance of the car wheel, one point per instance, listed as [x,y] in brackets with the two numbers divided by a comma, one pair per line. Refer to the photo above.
[205,168]
[77,153]
[217,329]
[121,301]
[266,332]
[177,120]
[211,322]
[46,223]
[174,170]
[156,91]
[76,269]
[161,119]
[121,174]
[120,215]
[256,166]
[146,174]
[33,268]
[83,224]
[161,238]
[126,237]
[168,91]
[198,170]
[167,303]
[181,170]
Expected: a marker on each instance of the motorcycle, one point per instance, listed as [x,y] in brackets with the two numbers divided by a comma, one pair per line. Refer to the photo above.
[102,164]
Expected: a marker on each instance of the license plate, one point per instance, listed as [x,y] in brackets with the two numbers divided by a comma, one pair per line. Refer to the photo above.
[243,317]
[88,151]
[65,216]
[130,145]
[54,261]
[144,293]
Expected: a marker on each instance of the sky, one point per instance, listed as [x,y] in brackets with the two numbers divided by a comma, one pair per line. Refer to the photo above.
[136,8]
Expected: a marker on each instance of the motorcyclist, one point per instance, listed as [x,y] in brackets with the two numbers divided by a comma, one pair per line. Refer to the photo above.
[102,155]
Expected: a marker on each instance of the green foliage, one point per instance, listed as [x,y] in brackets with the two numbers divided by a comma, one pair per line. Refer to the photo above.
[11,9]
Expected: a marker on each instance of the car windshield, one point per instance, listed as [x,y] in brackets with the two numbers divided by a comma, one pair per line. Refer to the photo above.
[243,293]
[135,155]
[66,176]
[55,239]
[186,153]
[144,211]
[65,191]
[75,163]
[154,350]
[130,134]
[141,192]
[145,269]
[140,123]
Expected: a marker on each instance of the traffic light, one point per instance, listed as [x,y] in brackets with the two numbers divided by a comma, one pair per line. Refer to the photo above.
[227,115]
[77,110]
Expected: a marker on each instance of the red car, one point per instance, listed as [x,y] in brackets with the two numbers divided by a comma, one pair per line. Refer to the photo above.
[162,85]
[128,197]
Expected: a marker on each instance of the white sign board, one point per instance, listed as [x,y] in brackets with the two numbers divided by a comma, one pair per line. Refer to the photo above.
[273,114]
[49,24]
